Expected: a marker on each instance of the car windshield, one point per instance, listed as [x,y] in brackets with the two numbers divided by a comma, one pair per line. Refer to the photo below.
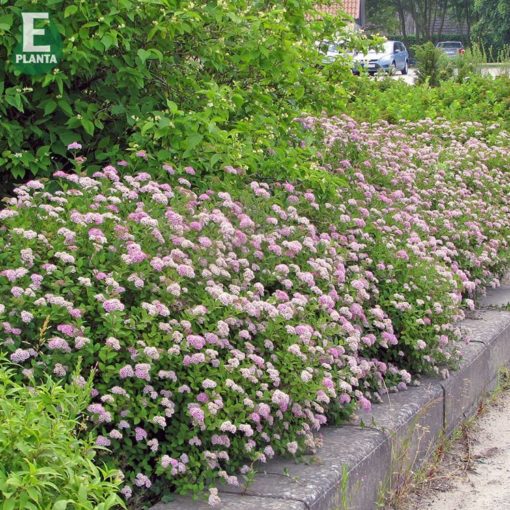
[329,47]
[387,48]
[450,45]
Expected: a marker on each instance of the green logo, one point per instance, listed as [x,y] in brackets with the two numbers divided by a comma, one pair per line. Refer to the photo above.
[40,49]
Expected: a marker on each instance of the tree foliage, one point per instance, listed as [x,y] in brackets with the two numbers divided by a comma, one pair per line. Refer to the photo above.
[424,13]
[464,12]
[493,25]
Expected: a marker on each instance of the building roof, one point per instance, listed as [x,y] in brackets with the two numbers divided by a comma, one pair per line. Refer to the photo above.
[351,7]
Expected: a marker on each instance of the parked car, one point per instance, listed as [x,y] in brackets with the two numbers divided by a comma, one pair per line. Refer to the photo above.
[451,49]
[393,56]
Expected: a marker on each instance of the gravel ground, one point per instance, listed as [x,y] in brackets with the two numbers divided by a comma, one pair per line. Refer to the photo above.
[475,474]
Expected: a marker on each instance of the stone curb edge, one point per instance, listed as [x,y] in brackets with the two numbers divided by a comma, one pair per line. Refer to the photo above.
[358,462]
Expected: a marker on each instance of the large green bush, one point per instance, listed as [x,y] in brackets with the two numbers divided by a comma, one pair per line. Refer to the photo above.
[214,82]
[43,464]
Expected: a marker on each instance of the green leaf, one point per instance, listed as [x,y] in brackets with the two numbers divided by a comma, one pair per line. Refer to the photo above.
[70,10]
[14,100]
[67,136]
[214,159]
[82,493]
[9,504]
[6,22]
[118,109]
[193,140]
[50,107]
[299,92]
[143,55]
[61,505]
[172,106]
[65,107]
[146,127]
[107,40]
[88,126]
[152,53]
[41,151]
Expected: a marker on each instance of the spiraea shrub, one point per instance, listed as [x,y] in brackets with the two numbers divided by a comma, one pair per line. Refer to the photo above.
[226,322]
[213,320]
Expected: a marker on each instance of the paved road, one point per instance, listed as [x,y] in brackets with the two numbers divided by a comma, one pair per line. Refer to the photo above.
[487,486]
[486,70]
[409,78]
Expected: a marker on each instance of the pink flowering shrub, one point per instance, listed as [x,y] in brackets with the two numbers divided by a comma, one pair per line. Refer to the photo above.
[228,326]
[433,196]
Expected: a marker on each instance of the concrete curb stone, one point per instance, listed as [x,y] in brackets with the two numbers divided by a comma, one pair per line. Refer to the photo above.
[466,386]
[326,480]
[229,502]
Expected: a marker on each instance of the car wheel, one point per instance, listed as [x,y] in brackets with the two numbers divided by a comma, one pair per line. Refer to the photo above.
[405,70]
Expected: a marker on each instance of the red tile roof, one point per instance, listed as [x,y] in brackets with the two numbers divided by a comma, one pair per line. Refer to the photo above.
[351,7]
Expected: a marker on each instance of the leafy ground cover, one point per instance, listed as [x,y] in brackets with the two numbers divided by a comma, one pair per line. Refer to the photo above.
[43,463]
[228,320]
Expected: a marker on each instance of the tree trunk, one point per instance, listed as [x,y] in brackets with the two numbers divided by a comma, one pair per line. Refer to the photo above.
[469,20]
[443,17]
[402,17]
[417,22]
[434,19]
[427,14]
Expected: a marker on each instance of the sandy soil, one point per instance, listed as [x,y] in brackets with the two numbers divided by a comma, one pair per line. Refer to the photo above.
[476,474]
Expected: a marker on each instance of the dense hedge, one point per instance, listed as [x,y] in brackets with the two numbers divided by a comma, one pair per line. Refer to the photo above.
[482,98]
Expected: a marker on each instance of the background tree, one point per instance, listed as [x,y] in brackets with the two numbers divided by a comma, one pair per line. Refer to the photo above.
[382,17]
[464,12]
[426,14]
[493,25]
